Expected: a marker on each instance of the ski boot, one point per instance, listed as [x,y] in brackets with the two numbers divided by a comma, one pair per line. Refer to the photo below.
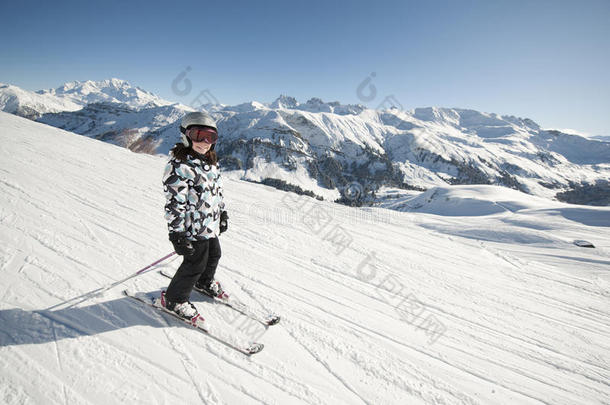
[184,310]
[214,290]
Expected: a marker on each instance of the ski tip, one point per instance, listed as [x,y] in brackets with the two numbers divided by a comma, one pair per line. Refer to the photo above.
[272,320]
[254,348]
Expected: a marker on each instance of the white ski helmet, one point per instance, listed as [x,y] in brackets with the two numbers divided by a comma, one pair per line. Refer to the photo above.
[195,118]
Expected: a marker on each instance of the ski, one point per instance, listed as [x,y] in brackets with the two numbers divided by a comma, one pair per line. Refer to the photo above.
[238,306]
[250,349]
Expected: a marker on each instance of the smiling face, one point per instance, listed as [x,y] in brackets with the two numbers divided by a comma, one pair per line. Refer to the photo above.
[201,147]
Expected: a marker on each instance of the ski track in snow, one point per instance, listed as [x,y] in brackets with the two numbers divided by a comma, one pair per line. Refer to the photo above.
[527,313]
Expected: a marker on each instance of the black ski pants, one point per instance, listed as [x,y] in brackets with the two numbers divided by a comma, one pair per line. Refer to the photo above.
[200,266]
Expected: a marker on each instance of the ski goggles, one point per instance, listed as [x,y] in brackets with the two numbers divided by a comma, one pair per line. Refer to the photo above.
[202,134]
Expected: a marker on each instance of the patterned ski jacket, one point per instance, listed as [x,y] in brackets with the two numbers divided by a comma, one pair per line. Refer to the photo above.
[193,190]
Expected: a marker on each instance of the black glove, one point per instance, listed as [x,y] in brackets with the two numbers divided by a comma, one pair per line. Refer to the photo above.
[224,221]
[182,245]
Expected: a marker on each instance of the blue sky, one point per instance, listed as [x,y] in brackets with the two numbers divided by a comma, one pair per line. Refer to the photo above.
[546,60]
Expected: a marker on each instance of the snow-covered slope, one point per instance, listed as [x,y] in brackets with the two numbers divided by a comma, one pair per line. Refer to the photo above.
[521,313]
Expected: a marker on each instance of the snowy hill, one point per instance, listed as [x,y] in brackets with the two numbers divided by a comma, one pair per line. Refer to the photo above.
[460,303]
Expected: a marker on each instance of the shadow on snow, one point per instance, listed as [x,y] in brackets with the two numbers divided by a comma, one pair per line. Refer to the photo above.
[20,327]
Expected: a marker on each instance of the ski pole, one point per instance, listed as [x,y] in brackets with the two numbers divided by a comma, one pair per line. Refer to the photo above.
[138,273]
[145,269]
[141,271]
[101,290]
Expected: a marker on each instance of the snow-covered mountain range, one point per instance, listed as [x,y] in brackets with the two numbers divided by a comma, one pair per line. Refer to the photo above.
[326,148]
[108,91]
[29,104]
[75,95]
[479,296]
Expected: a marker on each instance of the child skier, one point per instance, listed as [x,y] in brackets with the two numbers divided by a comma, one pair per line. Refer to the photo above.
[195,213]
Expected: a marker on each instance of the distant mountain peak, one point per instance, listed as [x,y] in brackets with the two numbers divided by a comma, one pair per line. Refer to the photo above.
[284,101]
[88,85]
[111,90]
[315,101]
[115,82]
